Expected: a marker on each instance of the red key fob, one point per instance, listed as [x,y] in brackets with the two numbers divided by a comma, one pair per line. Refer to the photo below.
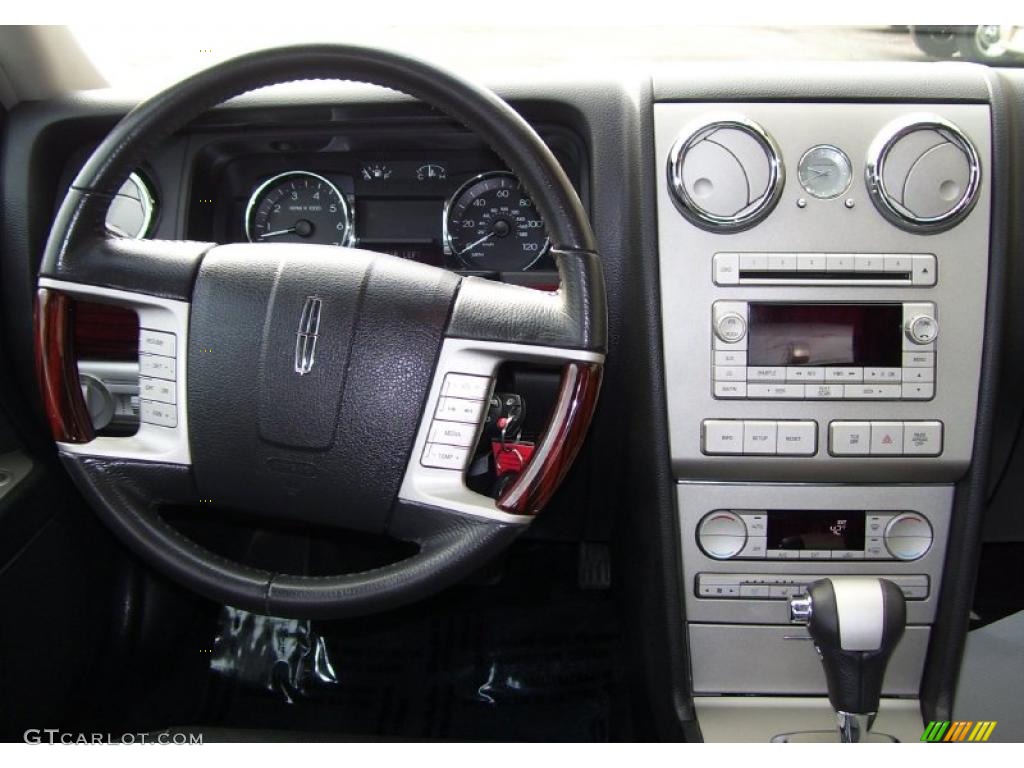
[510,457]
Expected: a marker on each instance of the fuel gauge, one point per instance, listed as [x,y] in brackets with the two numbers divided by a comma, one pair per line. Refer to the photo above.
[376,171]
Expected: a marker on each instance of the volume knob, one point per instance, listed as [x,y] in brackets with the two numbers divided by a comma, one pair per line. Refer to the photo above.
[722,534]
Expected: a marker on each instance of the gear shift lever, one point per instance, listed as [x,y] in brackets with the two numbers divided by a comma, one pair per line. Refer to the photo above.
[855,623]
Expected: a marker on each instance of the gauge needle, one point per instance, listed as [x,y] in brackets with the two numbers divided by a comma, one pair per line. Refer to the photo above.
[277,233]
[483,239]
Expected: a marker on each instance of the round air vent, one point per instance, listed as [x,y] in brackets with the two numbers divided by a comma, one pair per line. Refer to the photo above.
[725,173]
[923,173]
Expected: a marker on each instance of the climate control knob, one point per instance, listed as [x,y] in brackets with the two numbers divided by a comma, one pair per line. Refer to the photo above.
[908,536]
[722,534]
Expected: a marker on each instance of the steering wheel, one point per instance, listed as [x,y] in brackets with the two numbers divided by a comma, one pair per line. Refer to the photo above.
[311,384]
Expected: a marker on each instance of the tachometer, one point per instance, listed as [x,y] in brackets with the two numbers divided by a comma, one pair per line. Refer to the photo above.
[491,224]
[298,207]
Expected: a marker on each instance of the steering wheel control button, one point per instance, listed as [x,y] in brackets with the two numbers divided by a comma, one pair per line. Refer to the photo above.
[466,386]
[157,342]
[452,433]
[459,409]
[158,366]
[908,536]
[722,535]
[160,414]
[444,456]
[156,389]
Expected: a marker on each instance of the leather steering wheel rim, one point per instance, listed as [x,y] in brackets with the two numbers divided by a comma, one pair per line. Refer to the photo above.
[479,320]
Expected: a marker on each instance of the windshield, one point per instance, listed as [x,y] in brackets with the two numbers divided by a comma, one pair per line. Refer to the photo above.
[147,61]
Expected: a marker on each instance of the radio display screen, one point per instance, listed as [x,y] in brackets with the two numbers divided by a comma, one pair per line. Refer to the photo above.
[825,335]
[812,529]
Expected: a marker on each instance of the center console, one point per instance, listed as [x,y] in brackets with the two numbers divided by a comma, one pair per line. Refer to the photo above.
[824,270]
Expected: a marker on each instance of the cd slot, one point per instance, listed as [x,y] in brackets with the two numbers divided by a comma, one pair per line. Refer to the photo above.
[796,277]
[895,269]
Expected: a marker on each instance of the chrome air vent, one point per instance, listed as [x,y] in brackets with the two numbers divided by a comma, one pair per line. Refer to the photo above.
[725,173]
[923,173]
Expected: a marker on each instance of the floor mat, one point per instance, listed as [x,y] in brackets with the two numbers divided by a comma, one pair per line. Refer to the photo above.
[528,657]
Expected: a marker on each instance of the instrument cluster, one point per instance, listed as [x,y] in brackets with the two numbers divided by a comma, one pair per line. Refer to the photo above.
[462,211]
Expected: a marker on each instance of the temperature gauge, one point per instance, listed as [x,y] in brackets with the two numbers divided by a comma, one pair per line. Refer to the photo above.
[431,171]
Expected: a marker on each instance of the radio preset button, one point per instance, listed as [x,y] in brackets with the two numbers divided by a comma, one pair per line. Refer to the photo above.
[810,262]
[839,262]
[781,262]
[898,263]
[869,262]
[753,262]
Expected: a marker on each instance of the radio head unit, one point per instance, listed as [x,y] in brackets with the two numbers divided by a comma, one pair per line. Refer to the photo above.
[819,350]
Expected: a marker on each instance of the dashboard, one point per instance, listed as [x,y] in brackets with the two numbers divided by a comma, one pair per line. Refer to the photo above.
[807,278]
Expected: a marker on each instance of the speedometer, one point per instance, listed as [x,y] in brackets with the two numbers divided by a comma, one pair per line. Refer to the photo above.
[298,207]
[491,224]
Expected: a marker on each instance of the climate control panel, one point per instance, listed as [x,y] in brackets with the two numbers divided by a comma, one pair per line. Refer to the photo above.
[801,534]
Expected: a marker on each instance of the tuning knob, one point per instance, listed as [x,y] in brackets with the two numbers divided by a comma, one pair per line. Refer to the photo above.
[923,173]
[725,173]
